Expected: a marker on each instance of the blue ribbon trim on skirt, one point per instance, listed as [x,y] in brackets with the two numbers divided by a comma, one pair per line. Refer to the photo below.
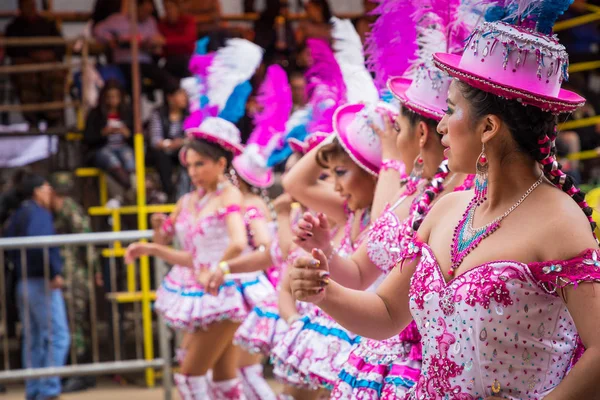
[360,383]
[323,330]
[399,381]
[192,293]
[266,314]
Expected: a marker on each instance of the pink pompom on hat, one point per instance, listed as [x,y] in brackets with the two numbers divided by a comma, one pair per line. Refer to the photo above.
[311,141]
[219,131]
[352,122]
[251,166]
[516,63]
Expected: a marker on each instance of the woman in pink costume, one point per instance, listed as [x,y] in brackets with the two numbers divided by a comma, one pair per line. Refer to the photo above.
[210,227]
[251,175]
[259,331]
[502,313]
[388,369]
[315,344]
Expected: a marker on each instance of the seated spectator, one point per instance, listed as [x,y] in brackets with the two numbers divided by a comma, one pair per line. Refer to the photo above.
[69,218]
[298,86]
[179,31]
[108,134]
[46,332]
[37,87]
[363,23]
[317,23]
[104,9]
[207,12]
[166,136]
[114,31]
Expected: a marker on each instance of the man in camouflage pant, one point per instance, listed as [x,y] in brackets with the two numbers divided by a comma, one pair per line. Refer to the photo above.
[70,217]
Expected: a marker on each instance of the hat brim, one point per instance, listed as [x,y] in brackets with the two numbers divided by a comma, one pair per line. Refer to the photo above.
[399,86]
[262,181]
[342,118]
[566,100]
[297,146]
[234,148]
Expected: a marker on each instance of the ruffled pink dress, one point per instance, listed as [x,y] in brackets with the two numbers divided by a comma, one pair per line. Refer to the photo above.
[182,300]
[499,329]
[313,350]
[383,369]
[264,327]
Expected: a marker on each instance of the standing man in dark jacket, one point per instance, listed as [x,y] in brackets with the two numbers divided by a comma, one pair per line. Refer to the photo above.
[39,289]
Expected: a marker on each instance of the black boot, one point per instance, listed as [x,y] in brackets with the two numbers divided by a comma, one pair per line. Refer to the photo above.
[78,384]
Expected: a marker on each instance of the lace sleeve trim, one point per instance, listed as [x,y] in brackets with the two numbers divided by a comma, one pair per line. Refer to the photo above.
[553,275]
[411,251]
[233,208]
[253,213]
[168,227]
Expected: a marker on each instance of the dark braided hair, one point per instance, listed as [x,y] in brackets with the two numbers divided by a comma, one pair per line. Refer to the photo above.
[435,187]
[534,130]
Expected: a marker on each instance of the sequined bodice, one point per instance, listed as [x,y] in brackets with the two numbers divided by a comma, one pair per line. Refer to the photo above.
[498,329]
[206,237]
[383,246]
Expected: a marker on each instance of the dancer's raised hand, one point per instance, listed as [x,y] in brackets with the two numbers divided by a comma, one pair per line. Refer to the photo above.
[309,277]
[312,232]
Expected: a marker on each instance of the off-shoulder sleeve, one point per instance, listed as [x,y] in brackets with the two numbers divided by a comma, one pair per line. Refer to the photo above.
[411,249]
[253,213]
[230,209]
[553,275]
[383,247]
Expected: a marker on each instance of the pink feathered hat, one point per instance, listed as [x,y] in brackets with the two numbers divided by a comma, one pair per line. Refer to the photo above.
[426,94]
[516,63]
[219,131]
[351,123]
[251,166]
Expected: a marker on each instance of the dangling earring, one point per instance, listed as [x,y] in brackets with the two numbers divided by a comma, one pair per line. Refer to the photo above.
[415,175]
[233,178]
[481,177]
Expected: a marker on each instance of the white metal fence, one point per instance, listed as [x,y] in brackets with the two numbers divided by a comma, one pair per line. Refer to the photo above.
[98,364]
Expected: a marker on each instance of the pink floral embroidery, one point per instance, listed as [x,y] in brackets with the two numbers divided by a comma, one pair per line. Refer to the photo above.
[441,369]
[479,286]
[555,275]
[382,246]
[424,281]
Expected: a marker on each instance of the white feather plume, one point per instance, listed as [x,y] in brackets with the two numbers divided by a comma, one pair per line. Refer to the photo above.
[350,57]
[233,64]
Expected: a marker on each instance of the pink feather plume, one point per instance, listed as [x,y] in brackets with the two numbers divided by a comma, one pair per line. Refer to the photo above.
[391,45]
[199,63]
[275,101]
[325,86]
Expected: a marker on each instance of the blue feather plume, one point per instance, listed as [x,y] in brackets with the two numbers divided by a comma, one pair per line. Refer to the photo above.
[538,14]
[279,155]
[202,45]
[549,12]
[235,108]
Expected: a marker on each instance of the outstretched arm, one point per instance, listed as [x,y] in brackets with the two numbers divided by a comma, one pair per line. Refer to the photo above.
[354,272]
[379,315]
